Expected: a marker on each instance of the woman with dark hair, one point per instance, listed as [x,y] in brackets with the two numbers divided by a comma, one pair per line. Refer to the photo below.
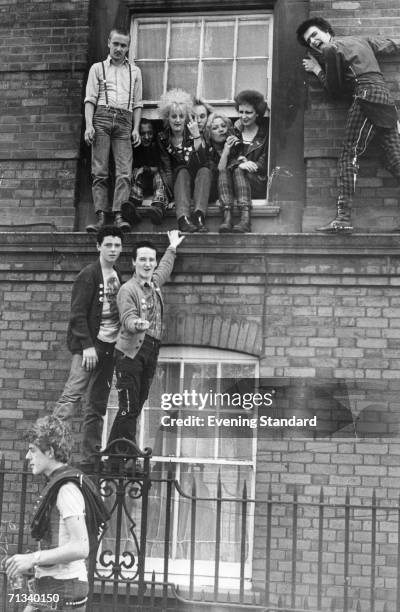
[184,162]
[253,133]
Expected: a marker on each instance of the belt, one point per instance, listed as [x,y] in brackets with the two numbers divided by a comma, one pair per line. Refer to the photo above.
[115,109]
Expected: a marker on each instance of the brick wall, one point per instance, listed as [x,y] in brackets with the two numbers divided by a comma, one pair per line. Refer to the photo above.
[376,199]
[43,59]
[324,318]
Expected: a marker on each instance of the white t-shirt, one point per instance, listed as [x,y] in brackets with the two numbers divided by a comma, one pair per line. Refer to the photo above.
[109,325]
[70,502]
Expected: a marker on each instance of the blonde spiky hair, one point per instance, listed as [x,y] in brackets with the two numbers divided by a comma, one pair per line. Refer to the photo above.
[175,97]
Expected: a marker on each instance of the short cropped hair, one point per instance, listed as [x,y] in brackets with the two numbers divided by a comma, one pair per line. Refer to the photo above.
[172,98]
[143,244]
[254,98]
[145,121]
[317,22]
[211,118]
[51,432]
[109,230]
[120,31]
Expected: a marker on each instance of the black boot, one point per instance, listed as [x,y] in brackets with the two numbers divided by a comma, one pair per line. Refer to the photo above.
[129,211]
[155,212]
[198,220]
[226,225]
[185,225]
[93,228]
[341,223]
[120,222]
[244,224]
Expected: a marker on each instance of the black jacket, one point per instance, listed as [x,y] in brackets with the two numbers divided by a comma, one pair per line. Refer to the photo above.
[86,308]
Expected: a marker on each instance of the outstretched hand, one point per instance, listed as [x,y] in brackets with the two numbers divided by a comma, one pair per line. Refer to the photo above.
[175,238]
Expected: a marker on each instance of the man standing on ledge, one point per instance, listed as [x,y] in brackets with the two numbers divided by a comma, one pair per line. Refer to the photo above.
[113,107]
[140,306]
[348,65]
[92,332]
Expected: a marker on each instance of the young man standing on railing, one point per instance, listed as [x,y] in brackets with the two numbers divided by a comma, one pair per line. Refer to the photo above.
[68,518]
[91,337]
[140,306]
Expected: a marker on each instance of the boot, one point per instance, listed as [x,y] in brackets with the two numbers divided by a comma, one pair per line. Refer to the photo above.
[120,222]
[198,220]
[341,223]
[129,211]
[226,225]
[244,224]
[185,225]
[155,213]
[93,228]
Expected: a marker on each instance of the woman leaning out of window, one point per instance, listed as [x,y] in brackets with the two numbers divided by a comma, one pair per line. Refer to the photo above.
[184,162]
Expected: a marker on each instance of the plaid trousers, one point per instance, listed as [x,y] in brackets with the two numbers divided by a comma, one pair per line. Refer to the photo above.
[234,184]
[141,180]
[359,132]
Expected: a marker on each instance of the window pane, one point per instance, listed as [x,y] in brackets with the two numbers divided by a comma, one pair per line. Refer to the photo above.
[152,73]
[185,40]
[219,39]
[184,75]
[253,39]
[151,40]
[252,74]
[217,79]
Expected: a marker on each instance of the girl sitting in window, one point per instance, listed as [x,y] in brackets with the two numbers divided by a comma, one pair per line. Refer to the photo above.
[224,149]
[253,133]
[184,162]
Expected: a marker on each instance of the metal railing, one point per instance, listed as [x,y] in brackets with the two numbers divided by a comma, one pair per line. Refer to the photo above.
[309,554]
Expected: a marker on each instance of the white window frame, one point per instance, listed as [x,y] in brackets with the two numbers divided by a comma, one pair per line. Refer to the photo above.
[204,570]
[226,105]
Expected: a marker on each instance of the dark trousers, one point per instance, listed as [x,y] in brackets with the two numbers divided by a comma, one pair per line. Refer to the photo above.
[134,377]
[96,385]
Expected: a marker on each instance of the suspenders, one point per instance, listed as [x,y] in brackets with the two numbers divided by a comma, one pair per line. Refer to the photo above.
[105,85]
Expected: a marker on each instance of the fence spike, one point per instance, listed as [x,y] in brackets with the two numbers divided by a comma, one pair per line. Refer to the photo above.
[321,496]
[305,604]
[194,487]
[269,494]
[228,597]
[280,602]
[219,485]
[374,497]
[333,604]
[244,495]
[170,475]
[358,606]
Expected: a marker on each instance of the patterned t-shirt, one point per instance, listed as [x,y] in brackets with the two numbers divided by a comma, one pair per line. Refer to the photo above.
[109,325]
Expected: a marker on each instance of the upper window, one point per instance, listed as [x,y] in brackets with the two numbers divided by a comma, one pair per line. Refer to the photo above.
[213,56]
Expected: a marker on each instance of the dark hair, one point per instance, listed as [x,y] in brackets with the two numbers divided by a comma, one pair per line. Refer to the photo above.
[254,98]
[317,22]
[51,432]
[120,31]
[143,243]
[109,230]
[145,121]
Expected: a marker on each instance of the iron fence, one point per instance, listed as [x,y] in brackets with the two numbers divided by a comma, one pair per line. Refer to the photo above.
[305,554]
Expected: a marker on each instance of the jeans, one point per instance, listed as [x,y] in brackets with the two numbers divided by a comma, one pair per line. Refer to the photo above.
[97,385]
[67,590]
[134,377]
[113,129]
[183,191]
